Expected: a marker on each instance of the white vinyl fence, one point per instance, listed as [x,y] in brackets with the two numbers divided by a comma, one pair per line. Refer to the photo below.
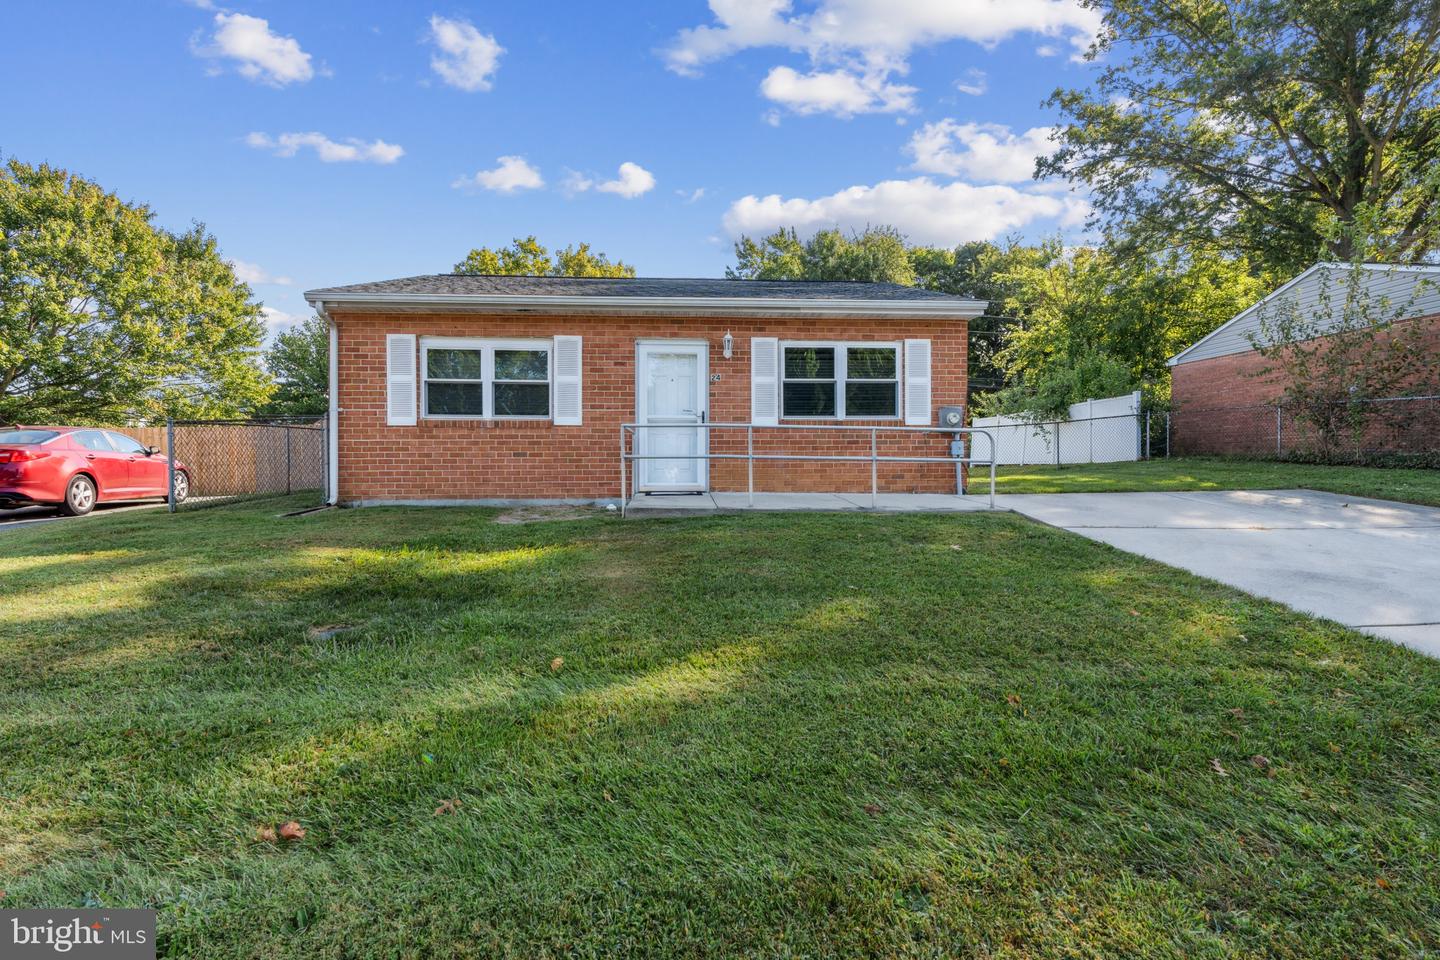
[1098,431]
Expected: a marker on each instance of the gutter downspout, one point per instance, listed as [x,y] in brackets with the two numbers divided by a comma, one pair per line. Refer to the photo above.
[332,439]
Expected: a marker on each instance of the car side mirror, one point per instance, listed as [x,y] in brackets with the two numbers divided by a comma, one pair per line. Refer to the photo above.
[151,451]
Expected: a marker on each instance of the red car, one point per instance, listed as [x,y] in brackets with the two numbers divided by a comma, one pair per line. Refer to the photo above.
[75,468]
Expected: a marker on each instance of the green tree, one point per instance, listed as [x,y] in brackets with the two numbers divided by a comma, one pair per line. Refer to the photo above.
[1255,126]
[1086,313]
[981,270]
[299,360]
[527,258]
[877,255]
[105,317]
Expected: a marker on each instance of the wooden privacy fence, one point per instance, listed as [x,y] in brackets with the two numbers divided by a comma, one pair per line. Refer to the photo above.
[150,436]
[234,459]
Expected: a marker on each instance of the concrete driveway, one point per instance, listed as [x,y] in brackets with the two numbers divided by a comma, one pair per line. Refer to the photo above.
[30,516]
[1370,564]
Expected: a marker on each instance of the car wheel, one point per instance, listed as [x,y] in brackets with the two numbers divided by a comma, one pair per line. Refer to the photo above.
[182,486]
[79,497]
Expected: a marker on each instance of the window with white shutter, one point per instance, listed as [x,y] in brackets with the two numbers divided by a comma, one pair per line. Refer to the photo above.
[568,407]
[400,379]
[765,380]
[917,383]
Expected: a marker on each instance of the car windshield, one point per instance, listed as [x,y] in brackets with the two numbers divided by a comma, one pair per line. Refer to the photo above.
[26,436]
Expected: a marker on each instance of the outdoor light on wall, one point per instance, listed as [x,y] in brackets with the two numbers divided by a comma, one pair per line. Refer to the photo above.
[727,344]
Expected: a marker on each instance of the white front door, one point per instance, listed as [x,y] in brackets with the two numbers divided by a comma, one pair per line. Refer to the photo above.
[672,398]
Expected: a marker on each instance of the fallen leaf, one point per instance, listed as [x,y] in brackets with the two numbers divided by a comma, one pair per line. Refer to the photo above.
[1334,748]
[1218,767]
[1237,712]
[447,806]
[607,796]
[1013,699]
[1382,883]
[874,809]
[290,830]
[1134,613]
[265,834]
[556,664]
[1262,763]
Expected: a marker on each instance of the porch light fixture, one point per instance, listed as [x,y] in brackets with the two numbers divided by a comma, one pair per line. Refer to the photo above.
[727,344]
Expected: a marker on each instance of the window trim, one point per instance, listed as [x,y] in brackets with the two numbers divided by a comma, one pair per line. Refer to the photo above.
[842,360]
[487,347]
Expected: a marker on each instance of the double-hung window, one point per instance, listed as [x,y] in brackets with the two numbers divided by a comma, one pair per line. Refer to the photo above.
[840,381]
[486,379]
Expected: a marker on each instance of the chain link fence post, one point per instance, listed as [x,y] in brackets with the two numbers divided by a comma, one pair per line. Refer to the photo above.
[170,463]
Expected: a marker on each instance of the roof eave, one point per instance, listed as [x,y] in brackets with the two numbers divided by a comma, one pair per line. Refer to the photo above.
[1179,358]
[728,306]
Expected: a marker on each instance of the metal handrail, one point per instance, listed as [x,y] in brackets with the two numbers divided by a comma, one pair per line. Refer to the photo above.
[750,456]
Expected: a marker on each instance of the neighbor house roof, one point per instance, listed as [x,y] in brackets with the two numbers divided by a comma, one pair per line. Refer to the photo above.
[1415,289]
[645,294]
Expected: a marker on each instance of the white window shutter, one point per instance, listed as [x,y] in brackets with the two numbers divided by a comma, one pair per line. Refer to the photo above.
[400,379]
[567,410]
[917,383]
[764,381]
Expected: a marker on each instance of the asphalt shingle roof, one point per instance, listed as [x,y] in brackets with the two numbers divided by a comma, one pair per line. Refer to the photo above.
[452,284]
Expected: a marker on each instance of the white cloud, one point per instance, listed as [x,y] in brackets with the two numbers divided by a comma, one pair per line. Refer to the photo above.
[988,152]
[259,53]
[275,318]
[631,181]
[872,38]
[467,58]
[927,212]
[839,92]
[690,196]
[1047,50]
[975,82]
[512,174]
[247,272]
[351,150]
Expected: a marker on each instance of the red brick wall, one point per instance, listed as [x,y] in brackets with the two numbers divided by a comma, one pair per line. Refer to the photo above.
[1226,405]
[479,459]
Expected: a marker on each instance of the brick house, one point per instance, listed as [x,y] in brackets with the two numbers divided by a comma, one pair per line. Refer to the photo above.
[476,389]
[1224,393]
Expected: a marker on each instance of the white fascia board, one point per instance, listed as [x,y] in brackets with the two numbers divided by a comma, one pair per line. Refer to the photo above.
[766,306]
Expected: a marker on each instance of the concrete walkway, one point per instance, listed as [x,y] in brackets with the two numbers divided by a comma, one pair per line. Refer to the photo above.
[1370,564]
[672,504]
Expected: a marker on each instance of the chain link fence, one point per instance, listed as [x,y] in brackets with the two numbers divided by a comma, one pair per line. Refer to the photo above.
[225,461]
[1392,430]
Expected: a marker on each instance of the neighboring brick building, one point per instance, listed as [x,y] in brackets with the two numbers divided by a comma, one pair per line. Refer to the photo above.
[457,388]
[1225,394]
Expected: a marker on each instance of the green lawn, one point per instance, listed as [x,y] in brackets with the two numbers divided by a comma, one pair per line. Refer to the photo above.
[770,736]
[1202,473]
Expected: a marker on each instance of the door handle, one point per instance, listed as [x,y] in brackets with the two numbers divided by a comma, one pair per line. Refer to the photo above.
[89,456]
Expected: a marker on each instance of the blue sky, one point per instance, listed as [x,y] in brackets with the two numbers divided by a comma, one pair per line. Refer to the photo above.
[328,143]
